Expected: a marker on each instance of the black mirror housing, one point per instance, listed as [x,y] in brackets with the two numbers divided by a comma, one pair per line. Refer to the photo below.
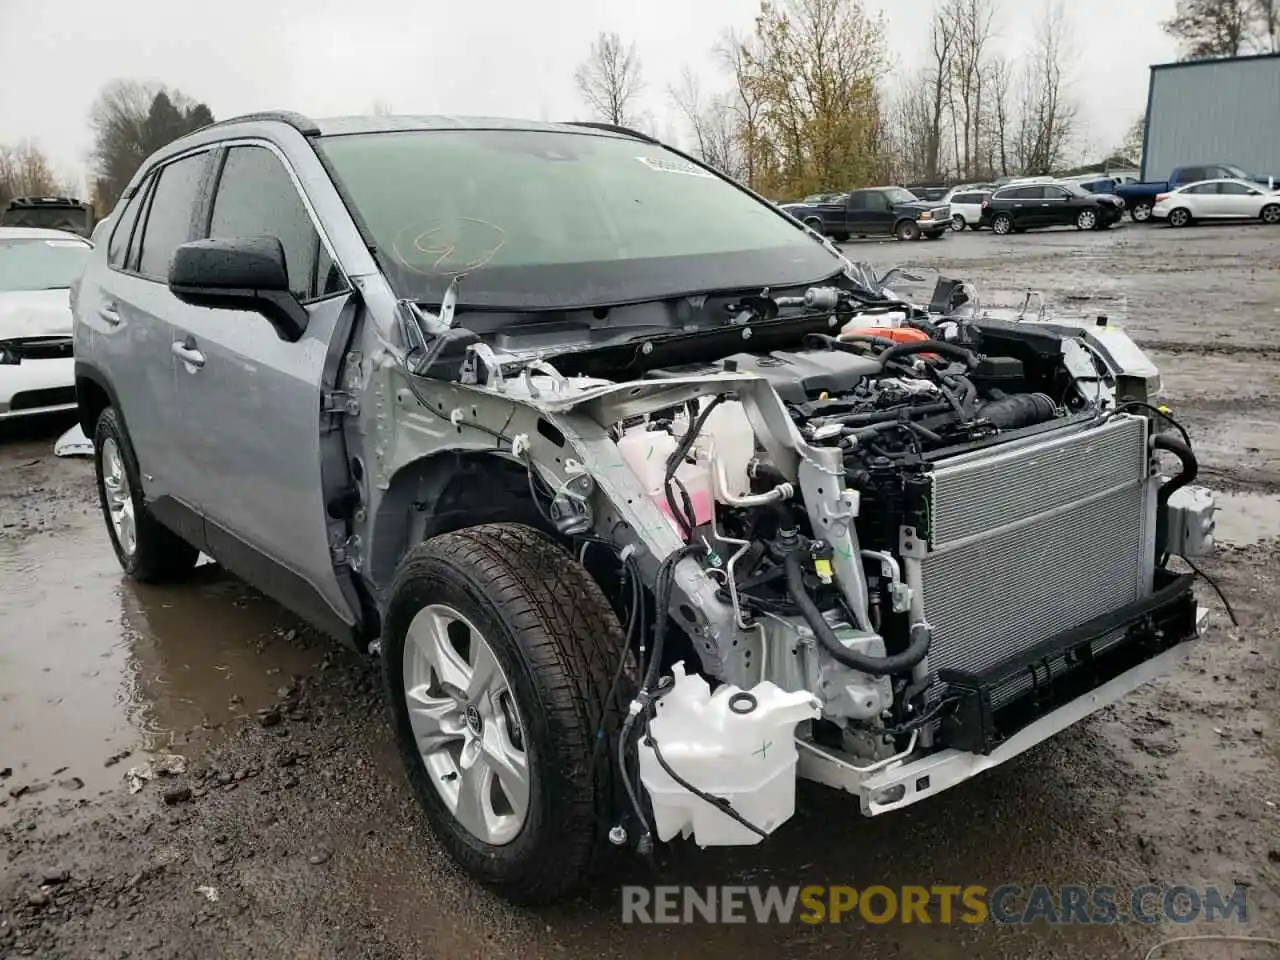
[239,273]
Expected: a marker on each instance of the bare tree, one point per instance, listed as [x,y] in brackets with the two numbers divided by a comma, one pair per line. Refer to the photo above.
[1001,75]
[380,108]
[942,44]
[609,80]
[710,122]
[1267,31]
[1213,28]
[972,22]
[1047,114]
[25,171]
[1131,148]
[746,103]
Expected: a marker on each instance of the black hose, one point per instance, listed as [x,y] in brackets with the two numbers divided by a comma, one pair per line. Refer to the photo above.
[967,357]
[1190,467]
[681,451]
[879,416]
[876,666]
[845,344]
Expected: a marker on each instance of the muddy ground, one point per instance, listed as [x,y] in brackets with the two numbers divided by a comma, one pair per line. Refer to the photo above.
[292,832]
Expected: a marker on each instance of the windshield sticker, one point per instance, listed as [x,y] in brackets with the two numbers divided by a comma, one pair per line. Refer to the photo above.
[675,166]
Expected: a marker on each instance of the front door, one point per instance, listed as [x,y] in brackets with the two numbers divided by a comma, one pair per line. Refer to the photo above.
[250,402]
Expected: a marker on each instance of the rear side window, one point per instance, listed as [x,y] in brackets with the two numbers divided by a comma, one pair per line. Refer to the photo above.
[967,198]
[171,213]
[257,198]
[1235,189]
[857,201]
[118,247]
[1202,188]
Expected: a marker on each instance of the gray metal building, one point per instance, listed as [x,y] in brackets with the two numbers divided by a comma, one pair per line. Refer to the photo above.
[1206,111]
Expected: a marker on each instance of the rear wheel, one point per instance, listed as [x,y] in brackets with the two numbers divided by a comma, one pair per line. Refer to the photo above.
[1179,217]
[814,224]
[498,657]
[1141,211]
[840,237]
[1271,213]
[148,551]
[907,230]
[1002,224]
[1087,220]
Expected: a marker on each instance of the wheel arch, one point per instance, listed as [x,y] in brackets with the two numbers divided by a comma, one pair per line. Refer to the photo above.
[94,394]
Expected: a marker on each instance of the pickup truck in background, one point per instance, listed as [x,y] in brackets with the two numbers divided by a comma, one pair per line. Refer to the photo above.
[50,213]
[875,211]
[1139,198]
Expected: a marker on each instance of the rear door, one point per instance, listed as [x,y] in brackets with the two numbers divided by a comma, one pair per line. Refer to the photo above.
[250,404]
[125,310]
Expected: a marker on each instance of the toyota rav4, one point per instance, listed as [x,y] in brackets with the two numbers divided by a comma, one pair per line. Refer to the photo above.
[648,500]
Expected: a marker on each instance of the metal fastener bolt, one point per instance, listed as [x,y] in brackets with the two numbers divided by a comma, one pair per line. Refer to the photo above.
[617,835]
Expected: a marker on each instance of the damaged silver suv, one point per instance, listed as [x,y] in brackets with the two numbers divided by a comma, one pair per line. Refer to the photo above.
[648,499]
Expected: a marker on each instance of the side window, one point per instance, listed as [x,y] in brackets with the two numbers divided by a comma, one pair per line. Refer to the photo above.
[170,214]
[877,201]
[1200,188]
[1055,193]
[857,200]
[1234,189]
[257,198]
[1192,174]
[118,246]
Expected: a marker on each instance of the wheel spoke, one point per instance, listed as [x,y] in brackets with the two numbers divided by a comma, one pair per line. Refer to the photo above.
[475,782]
[486,679]
[509,765]
[429,634]
[436,721]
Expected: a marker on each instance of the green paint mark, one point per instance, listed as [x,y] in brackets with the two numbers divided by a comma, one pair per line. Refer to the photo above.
[846,552]
[764,749]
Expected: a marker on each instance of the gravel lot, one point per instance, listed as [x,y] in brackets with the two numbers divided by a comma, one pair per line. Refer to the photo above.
[292,832]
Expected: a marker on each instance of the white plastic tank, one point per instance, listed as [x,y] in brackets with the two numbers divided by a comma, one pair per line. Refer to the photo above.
[646,452]
[731,446]
[735,744]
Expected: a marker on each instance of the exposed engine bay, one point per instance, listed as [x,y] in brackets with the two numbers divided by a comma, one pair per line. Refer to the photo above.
[903,543]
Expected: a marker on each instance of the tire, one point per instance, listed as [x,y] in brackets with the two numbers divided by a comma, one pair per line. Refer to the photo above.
[148,551]
[1179,217]
[555,641]
[814,224]
[958,223]
[1270,214]
[1140,212]
[840,237]
[1087,220]
[1002,224]
[907,230]
[934,236]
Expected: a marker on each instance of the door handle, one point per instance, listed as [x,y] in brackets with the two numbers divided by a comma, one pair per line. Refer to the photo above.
[109,314]
[185,350]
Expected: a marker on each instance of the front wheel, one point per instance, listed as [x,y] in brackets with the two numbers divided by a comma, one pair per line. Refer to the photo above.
[1270,213]
[1002,224]
[1087,220]
[498,655]
[1140,211]
[147,551]
[908,230]
[958,223]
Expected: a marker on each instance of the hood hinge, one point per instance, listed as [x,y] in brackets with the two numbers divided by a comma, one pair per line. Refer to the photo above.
[339,403]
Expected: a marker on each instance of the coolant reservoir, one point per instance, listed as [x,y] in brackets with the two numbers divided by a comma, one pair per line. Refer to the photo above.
[877,323]
[646,452]
[731,446]
[734,744]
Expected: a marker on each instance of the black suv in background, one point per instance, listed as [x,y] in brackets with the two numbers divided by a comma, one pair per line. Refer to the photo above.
[1027,206]
[875,211]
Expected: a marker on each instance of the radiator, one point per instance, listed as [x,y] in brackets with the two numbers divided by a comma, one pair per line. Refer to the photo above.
[1027,542]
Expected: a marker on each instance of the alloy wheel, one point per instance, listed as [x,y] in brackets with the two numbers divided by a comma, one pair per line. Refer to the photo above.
[465,722]
[119,496]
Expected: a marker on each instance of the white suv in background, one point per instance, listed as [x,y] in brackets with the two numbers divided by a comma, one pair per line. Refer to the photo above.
[966,204]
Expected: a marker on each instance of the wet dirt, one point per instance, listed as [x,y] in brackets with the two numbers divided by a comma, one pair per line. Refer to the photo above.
[292,833]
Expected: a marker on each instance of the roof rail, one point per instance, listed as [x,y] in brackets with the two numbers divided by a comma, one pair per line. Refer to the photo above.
[613,128]
[304,125]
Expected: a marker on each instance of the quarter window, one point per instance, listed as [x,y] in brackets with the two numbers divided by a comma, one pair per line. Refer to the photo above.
[257,198]
[118,246]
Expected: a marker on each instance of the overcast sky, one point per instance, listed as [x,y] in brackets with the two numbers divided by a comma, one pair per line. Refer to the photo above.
[489,57]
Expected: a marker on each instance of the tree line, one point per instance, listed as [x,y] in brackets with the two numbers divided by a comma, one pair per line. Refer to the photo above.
[130,120]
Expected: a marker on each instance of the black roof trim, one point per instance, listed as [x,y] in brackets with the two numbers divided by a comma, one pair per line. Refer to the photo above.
[1207,60]
[303,124]
[613,128]
[53,201]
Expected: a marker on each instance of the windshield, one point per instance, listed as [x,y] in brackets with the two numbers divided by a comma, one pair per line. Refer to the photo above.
[72,218]
[40,263]
[551,220]
[900,195]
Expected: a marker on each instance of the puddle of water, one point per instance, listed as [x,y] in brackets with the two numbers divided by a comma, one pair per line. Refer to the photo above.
[1246,518]
[92,665]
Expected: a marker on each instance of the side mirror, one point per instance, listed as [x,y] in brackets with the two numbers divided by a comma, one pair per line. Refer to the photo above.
[240,273]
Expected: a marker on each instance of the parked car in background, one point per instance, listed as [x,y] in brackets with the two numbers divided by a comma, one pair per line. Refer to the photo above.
[1095,184]
[37,269]
[1225,198]
[966,205]
[927,191]
[49,213]
[873,212]
[1030,206]
[1140,197]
